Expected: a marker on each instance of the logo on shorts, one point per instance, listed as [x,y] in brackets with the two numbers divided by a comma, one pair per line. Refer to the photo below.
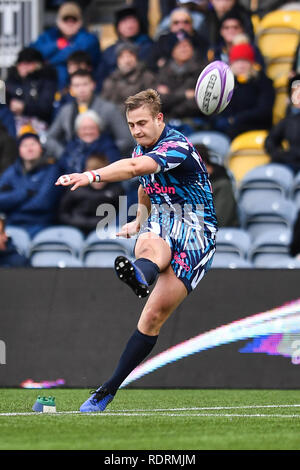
[179,259]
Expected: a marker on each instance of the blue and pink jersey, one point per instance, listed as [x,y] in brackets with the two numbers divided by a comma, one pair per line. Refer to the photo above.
[182,180]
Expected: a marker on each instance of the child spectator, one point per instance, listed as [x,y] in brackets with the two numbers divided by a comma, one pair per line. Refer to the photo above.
[57,43]
[28,196]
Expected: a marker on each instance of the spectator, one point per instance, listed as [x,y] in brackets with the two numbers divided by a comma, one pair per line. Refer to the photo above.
[78,60]
[79,208]
[57,43]
[8,144]
[89,140]
[83,90]
[196,9]
[177,80]
[9,255]
[232,30]
[142,7]
[210,27]
[30,90]
[130,77]
[128,28]
[252,102]
[223,193]
[283,141]
[180,20]
[28,196]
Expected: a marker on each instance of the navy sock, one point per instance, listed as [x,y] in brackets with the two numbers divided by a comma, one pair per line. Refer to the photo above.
[148,268]
[136,350]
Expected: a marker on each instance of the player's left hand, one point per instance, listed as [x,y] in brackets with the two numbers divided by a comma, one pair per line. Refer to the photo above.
[75,179]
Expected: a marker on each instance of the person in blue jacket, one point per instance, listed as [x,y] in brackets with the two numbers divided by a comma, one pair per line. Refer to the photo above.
[89,140]
[128,28]
[57,43]
[27,195]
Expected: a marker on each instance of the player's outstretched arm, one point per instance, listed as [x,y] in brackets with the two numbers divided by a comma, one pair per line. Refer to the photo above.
[121,170]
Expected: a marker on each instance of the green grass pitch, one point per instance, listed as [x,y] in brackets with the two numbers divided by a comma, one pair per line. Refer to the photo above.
[154,420]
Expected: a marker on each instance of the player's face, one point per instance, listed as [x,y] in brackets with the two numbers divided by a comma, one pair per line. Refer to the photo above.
[145,128]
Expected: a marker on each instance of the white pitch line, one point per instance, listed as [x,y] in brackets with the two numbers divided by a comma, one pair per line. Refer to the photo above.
[170,412]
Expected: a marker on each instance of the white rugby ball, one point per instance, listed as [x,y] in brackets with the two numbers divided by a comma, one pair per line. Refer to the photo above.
[214,88]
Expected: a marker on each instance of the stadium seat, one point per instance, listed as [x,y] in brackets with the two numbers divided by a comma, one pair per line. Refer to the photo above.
[100,251]
[20,238]
[281,98]
[261,215]
[233,240]
[216,142]
[277,37]
[284,263]
[59,238]
[229,261]
[272,180]
[247,152]
[59,259]
[269,245]
[296,190]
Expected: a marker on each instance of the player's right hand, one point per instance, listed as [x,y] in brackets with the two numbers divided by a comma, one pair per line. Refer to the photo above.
[75,179]
[129,230]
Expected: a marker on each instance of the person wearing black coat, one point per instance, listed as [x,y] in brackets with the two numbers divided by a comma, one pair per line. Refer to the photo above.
[31,86]
[79,208]
[287,131]
[251,106]
[9,254]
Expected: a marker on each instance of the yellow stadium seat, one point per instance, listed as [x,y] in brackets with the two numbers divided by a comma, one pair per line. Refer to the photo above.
[277,37]
[281,98]
[247,152]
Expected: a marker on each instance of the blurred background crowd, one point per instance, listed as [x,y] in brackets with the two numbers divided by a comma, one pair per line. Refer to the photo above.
[64,113]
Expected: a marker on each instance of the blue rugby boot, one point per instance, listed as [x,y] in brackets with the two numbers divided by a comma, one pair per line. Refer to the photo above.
[132,276]
[98,401]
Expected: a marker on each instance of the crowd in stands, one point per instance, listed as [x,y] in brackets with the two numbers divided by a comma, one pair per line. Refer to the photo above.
[65,95]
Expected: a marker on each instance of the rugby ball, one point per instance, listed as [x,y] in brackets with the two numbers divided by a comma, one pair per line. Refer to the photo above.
[214,88]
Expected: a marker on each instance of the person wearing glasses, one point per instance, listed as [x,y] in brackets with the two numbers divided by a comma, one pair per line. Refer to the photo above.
[58,43]
[180,21]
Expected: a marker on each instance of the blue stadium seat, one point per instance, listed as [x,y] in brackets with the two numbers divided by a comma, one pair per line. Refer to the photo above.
[285,263]
[59,259]
[233,240]
[230,261]
[59,238]
[259,215]
[269,246]
[216,142]
[296,190]
[272,180]
[101,248]
[20,238]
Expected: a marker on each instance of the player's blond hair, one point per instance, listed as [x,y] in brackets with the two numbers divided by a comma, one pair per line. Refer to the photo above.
[148,98]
